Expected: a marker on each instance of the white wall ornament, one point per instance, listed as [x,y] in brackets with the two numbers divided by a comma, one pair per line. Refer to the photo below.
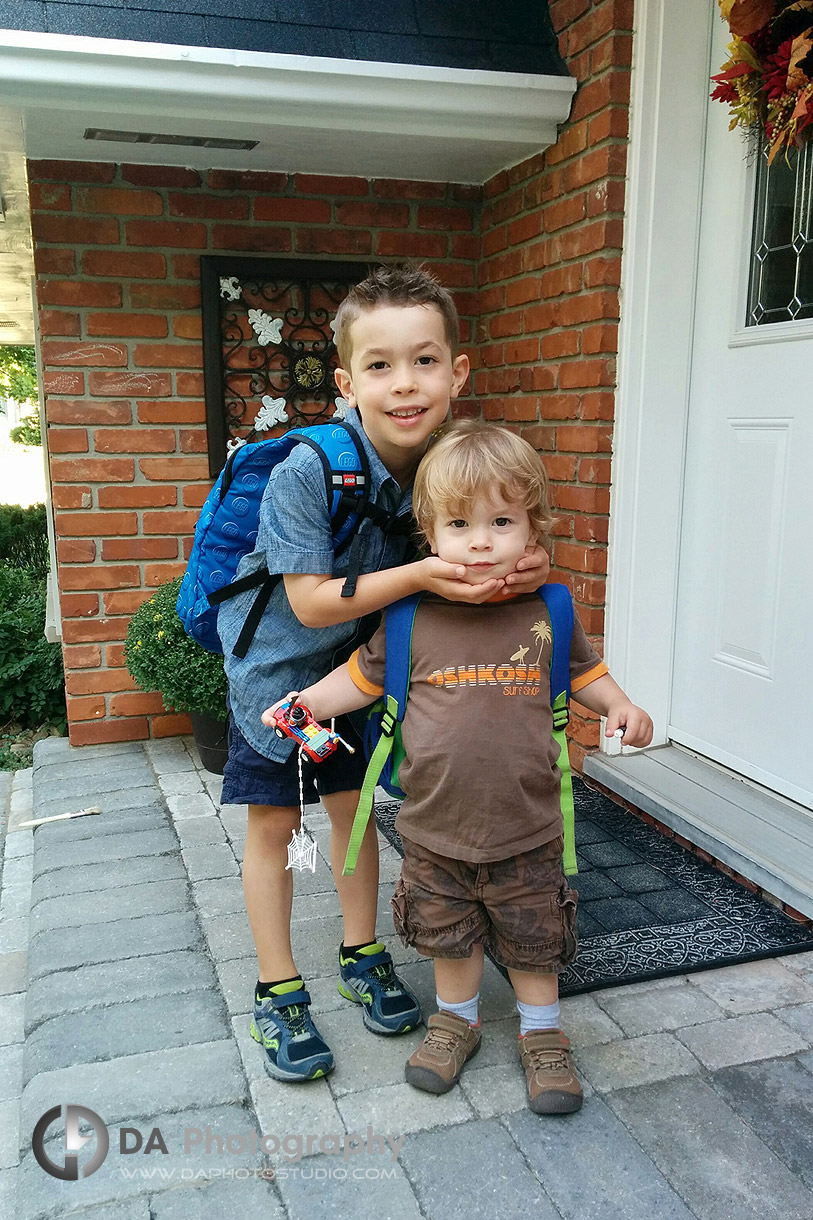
[272,412]
[230,287]
[342,407]
[267,329]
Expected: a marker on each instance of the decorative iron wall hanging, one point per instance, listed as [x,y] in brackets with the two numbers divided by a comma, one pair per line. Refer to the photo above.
[268,349]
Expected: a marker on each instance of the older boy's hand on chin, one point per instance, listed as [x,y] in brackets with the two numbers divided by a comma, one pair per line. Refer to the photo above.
[532,570]
[449,580]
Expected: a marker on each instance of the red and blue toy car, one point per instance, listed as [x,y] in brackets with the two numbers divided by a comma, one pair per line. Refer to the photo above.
[295,721]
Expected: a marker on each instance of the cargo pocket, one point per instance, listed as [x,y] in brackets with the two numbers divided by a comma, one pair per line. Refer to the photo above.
[567,901]
[398,902]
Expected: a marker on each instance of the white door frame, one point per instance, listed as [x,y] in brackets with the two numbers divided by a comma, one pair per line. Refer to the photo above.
[670,88]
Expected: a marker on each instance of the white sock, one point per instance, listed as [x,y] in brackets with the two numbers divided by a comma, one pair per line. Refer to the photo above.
[537,1016]
[467,1010]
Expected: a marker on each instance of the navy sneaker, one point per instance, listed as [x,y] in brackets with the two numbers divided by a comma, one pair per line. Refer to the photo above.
[389,1006]
[294,1048]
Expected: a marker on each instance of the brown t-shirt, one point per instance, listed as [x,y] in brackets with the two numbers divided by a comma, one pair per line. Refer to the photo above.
[480,775]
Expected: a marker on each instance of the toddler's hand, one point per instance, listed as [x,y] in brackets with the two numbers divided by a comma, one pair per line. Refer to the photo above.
[268,715]
[532,570]
[635,722]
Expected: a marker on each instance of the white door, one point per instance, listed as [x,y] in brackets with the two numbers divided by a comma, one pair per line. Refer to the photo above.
[743,664]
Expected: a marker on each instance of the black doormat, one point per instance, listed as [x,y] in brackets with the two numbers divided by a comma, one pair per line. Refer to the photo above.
[649,908]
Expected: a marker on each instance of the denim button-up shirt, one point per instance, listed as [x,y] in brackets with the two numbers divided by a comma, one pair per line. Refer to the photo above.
[295,537]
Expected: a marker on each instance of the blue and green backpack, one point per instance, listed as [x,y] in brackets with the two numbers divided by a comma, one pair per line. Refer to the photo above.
[382,737]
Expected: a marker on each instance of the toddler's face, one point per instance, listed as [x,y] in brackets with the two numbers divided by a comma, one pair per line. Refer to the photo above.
[488,537]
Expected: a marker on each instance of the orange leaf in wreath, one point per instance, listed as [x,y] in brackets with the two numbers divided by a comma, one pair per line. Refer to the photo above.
[800,49]
[747,16]
[800,109]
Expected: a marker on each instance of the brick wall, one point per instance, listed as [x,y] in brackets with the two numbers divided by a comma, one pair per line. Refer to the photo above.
[551,232]
[533,259]
[117,252]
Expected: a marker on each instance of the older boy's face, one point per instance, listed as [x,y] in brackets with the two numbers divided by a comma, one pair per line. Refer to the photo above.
[402,377]
[488,537]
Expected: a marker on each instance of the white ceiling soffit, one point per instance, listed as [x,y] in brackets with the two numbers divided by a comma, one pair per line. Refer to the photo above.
[309,114]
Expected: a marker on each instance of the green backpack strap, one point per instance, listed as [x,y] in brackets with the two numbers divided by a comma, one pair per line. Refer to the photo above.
[378,758]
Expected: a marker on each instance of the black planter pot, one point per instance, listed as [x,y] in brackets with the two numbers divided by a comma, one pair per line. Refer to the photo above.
[212,741]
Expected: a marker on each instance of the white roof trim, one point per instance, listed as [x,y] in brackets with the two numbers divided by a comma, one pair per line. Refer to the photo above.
[450,118]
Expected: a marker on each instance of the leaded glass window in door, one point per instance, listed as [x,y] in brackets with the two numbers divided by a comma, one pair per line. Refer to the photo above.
[781,281]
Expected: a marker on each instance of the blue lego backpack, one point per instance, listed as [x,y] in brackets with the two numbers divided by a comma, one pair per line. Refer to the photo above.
[382,736]
[229,520]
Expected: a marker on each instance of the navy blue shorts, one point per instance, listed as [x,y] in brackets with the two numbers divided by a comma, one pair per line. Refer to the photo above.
[252,779]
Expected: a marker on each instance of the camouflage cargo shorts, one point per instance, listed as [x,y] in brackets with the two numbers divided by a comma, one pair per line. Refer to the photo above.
[522,909]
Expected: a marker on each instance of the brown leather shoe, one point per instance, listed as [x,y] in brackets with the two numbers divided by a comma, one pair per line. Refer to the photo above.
[553,1086]
[437,1063]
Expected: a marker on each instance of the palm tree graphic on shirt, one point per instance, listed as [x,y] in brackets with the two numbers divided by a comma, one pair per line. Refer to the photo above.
[541,632]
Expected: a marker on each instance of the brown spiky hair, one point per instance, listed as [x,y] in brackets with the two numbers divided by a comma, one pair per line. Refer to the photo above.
[394,284]
[470,459]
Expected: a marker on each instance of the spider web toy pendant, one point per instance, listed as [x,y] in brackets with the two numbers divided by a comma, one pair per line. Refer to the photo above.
[301,849]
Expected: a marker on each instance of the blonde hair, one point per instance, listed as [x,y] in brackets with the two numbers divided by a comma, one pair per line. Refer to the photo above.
[394,284]
[471,459]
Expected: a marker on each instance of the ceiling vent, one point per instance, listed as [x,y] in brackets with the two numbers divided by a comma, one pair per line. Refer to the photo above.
[151,137]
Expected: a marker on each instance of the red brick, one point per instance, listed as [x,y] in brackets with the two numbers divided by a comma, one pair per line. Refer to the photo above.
[583,499]
[47,196]
[171,725]
[164,296]
[95,524]
[173,469]
[114,653]
[209,207]
[598,405]
[255,238]
[139,548]
[63,383]
[78,293]
[194,494]
[599,339]
[565,212]
[190,385]
[376,215]
[102,683]
[130,384]
[178,522]
[158,573]
[67,440]
[71,497]
[72,171]
[168,355]
[135,440]
[560,467]
[91,707]
[325,184]
[137,497]
[334,241]
[73,550]
[186,266]
[188,326]
[522,291]
[85,411]
[92,470]
[193,440]
[600,271]
[136,703]
[608,124]
[55,352]
[304,211]
[171,412]
[58,322]
[521,350]
[126,601]
[399,188]
[99,577]
[580,558]
[595,470]
[591,529]
[124,265]
[160,175]
[560,343]
[170,234]
[507,323]
[74,230]
[82,656]
[49,261]
[447,218]
[118,201]
[79,605]
[587,373]
[246,180]
[136,728]
[582,438]
[136,325]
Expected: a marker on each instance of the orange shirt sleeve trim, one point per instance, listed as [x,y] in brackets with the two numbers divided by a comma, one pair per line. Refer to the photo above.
[597,671]
[359,679]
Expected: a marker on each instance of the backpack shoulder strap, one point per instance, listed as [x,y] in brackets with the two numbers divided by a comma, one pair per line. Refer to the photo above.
[399,619]
[560,608]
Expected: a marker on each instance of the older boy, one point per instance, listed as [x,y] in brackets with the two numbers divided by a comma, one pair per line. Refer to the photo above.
[481,824]
[397,335]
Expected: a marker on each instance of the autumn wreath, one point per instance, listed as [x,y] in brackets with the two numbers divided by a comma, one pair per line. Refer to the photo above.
[768,80]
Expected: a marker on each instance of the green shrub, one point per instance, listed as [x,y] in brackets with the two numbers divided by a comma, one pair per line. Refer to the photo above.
[161,656]
[32,685]
[24,537]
